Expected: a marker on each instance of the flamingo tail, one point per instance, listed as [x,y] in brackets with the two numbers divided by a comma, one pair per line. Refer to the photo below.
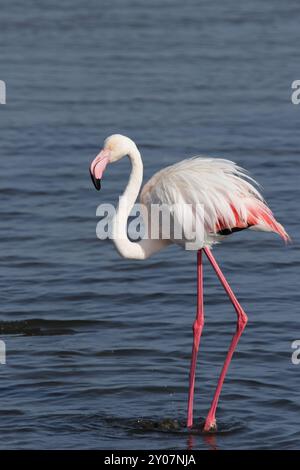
[261,217]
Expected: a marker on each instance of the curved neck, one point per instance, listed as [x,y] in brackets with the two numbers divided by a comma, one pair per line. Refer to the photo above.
[128,198]
[146,247]
[125,247]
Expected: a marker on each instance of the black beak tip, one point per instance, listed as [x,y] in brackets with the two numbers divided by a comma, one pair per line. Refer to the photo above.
[96,182]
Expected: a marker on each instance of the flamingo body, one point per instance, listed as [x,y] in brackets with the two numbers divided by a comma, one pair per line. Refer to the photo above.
[230,200]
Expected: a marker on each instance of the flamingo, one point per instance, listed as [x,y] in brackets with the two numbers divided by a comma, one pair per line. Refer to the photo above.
[231,203]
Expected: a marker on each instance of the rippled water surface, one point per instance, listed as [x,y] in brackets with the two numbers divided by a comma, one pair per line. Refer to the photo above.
[98,348]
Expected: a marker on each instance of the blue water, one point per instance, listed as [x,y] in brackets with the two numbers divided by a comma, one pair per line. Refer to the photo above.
[98,348]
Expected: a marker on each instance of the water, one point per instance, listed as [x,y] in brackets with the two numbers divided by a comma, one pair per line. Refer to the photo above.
[98,347]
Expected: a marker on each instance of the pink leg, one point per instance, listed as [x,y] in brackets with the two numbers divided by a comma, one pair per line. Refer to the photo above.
[197,330]
[210,423]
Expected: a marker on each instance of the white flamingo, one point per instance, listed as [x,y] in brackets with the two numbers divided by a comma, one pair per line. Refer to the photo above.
[231,203]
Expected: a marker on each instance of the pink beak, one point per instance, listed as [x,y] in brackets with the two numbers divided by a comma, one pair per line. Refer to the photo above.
[98,166]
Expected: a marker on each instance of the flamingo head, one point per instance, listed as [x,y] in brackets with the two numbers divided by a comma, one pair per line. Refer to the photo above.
[115,147]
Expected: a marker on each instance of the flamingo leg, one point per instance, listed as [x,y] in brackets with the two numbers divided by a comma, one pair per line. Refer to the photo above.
[210,423]
[197,330]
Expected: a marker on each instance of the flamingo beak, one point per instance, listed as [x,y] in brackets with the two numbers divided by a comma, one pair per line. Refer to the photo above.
[98,166]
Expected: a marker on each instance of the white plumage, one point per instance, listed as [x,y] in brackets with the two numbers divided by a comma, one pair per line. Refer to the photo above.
[224,190]
[214,196]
